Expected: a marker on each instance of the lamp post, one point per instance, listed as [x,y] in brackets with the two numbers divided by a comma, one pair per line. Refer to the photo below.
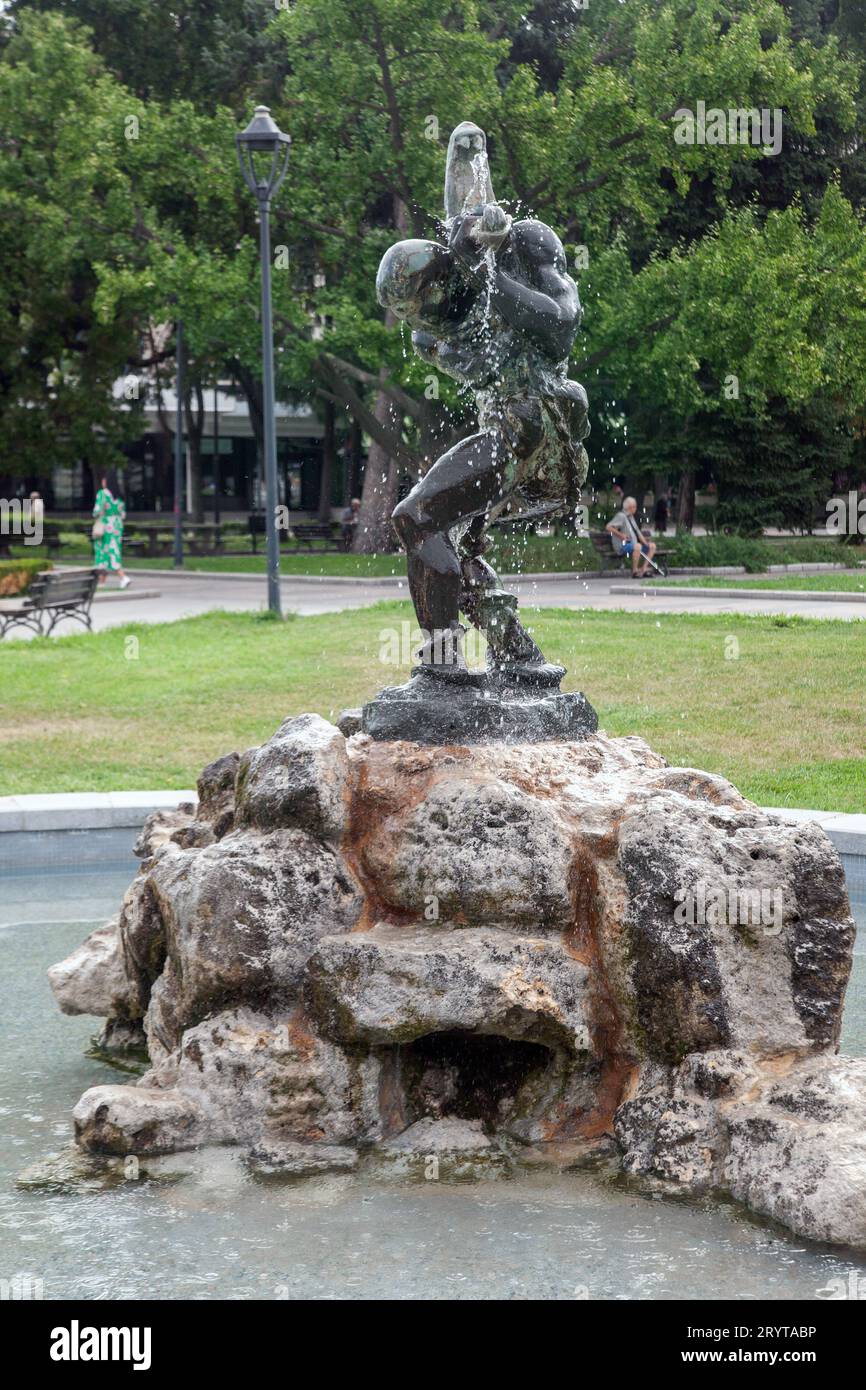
[217,475]
[178,452]
[263,137]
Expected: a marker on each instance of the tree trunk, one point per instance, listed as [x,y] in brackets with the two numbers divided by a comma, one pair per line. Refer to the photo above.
[686,500]
[252,389]
[374,531]
[353,461]
[329,454]
[636,488]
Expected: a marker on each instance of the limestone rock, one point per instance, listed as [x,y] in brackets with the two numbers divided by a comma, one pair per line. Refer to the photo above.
[785,1136]
[72,1170]
[160,826]
[394,984]
[240,919]
[288,1159]
[142,938]
[797,1151]
[93,979]
[240,1078]
[136,1120]
[122,1038]
[430,1136]
[349,722]
[360,943]
[297,778]
[216,794]
[483,851]
[449,1149]
[215,811]
[256,1079]
[766,968]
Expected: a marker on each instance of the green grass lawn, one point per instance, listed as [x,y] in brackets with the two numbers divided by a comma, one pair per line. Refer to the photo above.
[317,563]
[524,555]
[839,581]
[511,553]
[528,555]
[778,705]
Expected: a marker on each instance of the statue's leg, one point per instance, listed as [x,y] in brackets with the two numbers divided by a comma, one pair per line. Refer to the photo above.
[461,485]
[493,610]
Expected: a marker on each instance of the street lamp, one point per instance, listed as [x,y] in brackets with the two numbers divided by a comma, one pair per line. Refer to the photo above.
[263,137]
[178,451]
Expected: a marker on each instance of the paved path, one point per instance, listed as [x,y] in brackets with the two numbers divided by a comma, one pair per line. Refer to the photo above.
[161,596]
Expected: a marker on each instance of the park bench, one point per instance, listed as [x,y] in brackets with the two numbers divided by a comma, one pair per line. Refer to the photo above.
[53,595]
[602,544]
[257,527]
[307,532]
[50,539]
[156,538]
[51,535]
[303,534]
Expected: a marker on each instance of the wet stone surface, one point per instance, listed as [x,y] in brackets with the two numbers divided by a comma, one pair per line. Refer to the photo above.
[371,953]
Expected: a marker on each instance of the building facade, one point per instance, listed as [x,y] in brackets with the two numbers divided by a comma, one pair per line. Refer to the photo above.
[232,481]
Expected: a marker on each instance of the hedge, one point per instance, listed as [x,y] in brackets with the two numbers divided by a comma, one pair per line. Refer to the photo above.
[16,576]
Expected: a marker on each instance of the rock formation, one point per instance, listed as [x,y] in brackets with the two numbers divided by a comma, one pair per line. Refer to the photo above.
[485,954]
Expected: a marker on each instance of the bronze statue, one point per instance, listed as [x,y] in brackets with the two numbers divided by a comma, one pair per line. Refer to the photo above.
[496,309]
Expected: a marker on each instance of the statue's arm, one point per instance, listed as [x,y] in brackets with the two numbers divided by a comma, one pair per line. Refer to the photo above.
[543,303]
[547,309]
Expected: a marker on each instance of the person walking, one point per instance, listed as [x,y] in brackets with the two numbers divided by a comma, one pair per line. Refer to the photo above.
[109,515]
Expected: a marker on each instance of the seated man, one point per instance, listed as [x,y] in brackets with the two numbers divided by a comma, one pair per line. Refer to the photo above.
[629,540]
[349,522]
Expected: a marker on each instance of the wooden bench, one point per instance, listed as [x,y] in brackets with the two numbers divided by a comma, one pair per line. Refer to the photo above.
[53,595]
[303,534]
[156,538]
[307,532]
[257,527]
[51,535]
[602,544]
[50,539]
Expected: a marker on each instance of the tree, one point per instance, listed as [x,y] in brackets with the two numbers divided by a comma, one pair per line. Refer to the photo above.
[67,198]
[699,265]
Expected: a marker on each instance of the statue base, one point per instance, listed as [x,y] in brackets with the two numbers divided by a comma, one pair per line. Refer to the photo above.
[514,705]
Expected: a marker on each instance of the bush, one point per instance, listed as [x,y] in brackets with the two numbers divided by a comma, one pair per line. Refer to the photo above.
[754,555]
[16,576]
[515,552]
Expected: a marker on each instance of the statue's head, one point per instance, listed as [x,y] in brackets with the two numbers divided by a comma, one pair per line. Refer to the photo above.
[467,173]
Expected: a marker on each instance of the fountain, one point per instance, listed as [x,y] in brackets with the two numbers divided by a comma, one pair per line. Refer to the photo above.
[476,932]
[496,309]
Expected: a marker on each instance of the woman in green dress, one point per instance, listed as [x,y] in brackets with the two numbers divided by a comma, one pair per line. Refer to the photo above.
[109,515]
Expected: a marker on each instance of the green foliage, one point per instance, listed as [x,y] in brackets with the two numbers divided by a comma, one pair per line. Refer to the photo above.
[754,555]
[699,265]
[16,576]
